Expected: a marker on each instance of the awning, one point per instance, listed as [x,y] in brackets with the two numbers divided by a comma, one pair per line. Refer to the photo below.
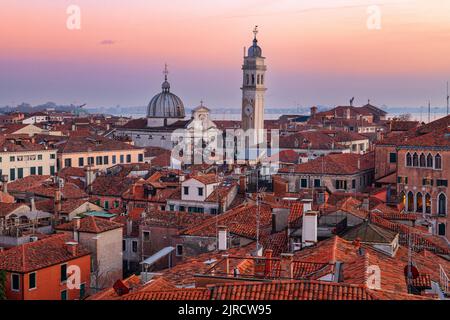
[160,254]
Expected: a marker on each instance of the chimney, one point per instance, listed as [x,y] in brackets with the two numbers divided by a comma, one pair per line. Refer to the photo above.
[129,227]
[58,201]
[268,255]
[72,247]
[76,228]
[307,205]
[222,238]
[359,163]
[286,266]
[280,218]
[227,264]
[4,179]
[33,204]
[90,176]
[365,204]
[309,228]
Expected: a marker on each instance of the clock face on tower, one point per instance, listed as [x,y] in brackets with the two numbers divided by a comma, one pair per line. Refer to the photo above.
[248,110]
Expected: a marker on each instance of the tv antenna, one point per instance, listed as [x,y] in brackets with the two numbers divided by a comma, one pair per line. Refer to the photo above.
[448,99]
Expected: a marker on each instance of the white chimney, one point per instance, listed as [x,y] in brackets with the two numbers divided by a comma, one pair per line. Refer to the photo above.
[222,238]
[76,228]
[33,204]
[307,205]
[309,228]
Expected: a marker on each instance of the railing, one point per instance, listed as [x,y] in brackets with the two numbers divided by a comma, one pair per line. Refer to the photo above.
[443,280]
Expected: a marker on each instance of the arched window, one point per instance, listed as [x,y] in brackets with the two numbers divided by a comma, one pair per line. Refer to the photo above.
[419,203]
[403,198]
[408,160]
[410,202]
[429,161]
[437,162]
[427,203]
[253,79]
[422,160]
[442,205]
[262,79]
[248,79]
[258,78]
[415,160]
[441,229]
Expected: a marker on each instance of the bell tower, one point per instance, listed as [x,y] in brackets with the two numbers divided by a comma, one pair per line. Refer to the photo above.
[253,88]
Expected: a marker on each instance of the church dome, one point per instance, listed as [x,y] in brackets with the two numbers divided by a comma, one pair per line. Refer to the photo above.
[165,104]
[255,50]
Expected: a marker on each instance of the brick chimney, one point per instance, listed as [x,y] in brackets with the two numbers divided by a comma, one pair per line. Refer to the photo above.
[72,247]
[286,266]
[76,228]
[268,255]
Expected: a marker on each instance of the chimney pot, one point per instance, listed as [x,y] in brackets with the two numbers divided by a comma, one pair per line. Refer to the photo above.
[72,247]
[222,238]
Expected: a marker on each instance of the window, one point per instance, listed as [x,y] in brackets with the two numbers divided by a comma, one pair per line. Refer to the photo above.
[415,160]
[213,211]
[19,173]
[114,159]
[441,183]
[15,282]
[406,180]
[64,295]
[53,156]
[316,183]
[106,205]
[67,162]
[303,183]
[140,157]
[124,245]
[146,235]
[39,156]
[182,208]
[410,202]
[408,160]
[399,179]
[40,171]
[442,205]
[12,159]
[99,160]
[341,184]
[128,158]
[186,190]
[422,161]
[171,207]
[122,158]
[116,204]
[82,290]
[419,203]
[441,229]
[105,160]
[134,246]
[32,171]
[427,182]
[12,174]
[63,272]
[437,162]
[427,203]
[392,157]
[429,161]
[179,252]
[32,280]
[81,162]
[90,160]
[200,191]
[52,170]
[353,184]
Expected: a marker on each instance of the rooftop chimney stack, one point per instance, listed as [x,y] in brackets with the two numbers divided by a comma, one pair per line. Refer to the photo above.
[309,228]
[58,201]
[72,247]
[33,204]
[307,205]
[286,266]
[222,238]
[76,228]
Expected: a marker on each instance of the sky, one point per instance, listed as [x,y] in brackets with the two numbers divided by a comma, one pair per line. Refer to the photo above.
[318,52]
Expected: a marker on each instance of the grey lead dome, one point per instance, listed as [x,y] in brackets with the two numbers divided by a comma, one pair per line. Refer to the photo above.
[165,104]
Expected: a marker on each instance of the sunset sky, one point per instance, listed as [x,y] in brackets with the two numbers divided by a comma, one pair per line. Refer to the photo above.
[318,52]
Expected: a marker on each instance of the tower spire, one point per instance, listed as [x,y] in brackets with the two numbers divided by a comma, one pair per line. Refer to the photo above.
[255,32]
[165,72]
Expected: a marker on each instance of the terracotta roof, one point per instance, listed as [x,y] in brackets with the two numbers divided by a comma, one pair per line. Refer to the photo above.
[436,138]
[27,183]
[112,185]
[240,221]
[335,164]
[94,143]
[68,191]
[40,254]
[206,178]
[175,219]
[7,208]
[91,224]
[309,140]
[174,294]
